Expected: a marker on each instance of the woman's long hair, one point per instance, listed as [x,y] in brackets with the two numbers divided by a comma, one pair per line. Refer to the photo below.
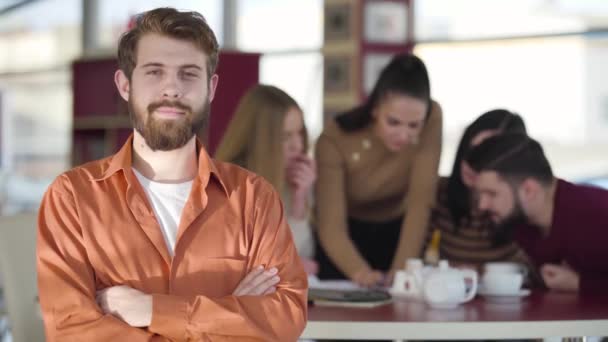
[404,75]
[254,137]
[458,194]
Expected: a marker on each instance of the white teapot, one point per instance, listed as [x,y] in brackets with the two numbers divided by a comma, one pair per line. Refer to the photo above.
[409,283]
[446,287]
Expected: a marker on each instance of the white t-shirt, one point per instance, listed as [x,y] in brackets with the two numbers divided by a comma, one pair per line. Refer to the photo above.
[300,229]
[168,201]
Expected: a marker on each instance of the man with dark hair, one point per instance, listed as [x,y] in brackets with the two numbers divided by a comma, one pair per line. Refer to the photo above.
[160,242]
[562,226]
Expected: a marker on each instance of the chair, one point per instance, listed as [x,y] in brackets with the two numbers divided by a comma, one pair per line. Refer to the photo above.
[18,267]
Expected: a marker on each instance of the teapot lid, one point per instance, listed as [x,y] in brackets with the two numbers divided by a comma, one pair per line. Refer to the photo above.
[444,265]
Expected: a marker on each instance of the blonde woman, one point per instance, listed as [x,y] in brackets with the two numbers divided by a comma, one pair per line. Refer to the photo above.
[267,136]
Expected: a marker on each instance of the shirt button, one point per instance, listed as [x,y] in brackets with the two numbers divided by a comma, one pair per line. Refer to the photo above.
[366,144]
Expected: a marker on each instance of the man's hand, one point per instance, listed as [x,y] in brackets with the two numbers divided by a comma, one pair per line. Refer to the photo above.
[258,283]
[368,277]
[131,306]
[560,277]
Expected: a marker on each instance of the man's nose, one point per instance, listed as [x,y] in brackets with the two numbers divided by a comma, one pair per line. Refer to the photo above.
[171,87]
[483,203]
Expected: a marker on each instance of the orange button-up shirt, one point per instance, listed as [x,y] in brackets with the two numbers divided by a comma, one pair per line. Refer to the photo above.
[96,229]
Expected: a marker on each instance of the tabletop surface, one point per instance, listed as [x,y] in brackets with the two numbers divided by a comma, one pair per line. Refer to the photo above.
[541,314]
[539,306]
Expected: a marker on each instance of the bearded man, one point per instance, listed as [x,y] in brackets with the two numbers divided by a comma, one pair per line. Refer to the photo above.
[563,227]
[159,242]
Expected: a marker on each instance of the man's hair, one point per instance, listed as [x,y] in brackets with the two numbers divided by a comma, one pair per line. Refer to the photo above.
[187,26]
[499,121]
[515,157]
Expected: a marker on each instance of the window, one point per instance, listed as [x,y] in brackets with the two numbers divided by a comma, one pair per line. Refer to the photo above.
[36,94]
[473,19]
[289,33]
[556,84]
[115,15]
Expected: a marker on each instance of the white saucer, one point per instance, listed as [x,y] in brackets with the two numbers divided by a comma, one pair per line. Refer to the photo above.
[504,297]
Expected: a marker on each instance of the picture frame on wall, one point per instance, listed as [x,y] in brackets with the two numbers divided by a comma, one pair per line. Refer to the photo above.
[337,74]
[339,21]
[385,22]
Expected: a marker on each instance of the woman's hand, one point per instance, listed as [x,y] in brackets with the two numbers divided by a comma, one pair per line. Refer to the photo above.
[301,176]
[368,277]
[310,266]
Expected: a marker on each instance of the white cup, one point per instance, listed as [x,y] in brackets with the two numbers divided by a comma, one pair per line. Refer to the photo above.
[502,283]
[505,267]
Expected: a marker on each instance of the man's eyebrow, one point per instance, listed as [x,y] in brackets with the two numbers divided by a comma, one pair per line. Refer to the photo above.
[189,66]
[185,66]
[152,64]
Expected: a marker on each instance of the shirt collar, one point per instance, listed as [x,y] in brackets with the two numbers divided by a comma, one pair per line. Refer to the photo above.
[122,161]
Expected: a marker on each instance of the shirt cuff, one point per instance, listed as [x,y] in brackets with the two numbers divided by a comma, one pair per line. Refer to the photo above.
[590,284]
[169,316]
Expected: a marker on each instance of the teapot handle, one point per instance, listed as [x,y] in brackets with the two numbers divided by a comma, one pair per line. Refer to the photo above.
[473,290]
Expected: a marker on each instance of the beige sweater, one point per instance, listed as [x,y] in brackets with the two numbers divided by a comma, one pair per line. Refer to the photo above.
[359,177]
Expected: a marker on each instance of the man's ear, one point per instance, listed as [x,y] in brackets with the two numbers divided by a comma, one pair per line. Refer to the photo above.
[468,175]
[122,84]
[530,188]
[213,81]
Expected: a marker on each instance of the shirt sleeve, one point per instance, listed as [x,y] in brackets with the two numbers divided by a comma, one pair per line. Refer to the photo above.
[330,196]
[593,283]
[66,279]
[280,316]
[420,197]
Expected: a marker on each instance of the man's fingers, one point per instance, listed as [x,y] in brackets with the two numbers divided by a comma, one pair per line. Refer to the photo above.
[250,288]
[551,274]
[270,290]
[251,275]
[249,283]
[264,286]
[549,270]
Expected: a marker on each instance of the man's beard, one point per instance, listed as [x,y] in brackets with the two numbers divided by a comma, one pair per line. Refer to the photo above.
[503,231]
[168,134]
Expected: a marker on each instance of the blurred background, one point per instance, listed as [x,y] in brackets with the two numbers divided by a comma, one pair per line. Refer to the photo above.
[544,59]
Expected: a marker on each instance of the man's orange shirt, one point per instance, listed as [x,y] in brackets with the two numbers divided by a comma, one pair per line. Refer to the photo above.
[96,229]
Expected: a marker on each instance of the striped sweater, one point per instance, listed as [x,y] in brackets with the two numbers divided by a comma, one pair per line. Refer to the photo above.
[470,242]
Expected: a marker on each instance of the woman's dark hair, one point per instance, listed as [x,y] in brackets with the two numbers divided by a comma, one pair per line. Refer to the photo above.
[405,75]
[458,195]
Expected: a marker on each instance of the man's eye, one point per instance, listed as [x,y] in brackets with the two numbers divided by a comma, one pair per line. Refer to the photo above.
[186,74]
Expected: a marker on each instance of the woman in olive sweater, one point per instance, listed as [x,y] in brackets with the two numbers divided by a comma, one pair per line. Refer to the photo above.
[377,173]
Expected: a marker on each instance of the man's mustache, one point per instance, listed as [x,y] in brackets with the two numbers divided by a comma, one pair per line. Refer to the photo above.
[175,104]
